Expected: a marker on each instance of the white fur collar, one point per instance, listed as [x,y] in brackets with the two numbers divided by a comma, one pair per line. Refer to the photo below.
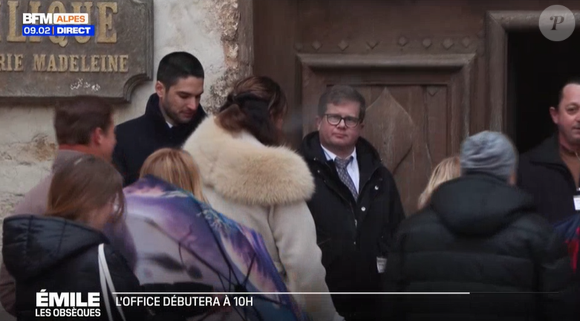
[241,168]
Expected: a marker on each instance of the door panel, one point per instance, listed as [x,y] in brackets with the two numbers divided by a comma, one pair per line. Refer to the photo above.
[417,111]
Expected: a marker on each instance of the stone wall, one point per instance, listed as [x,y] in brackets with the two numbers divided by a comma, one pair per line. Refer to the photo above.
[218,32]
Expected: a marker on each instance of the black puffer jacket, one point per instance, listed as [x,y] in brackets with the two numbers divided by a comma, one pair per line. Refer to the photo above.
[60,256]
[482,236]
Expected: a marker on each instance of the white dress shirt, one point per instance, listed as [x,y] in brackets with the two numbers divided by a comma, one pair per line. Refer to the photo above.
[352,167]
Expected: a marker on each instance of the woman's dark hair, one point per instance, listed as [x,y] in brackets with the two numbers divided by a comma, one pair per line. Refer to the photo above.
[255,104]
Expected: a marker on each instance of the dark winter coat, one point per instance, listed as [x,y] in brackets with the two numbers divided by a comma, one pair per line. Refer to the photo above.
[480,235]
[544,175]
[353,233]
[140,137]
[62,256]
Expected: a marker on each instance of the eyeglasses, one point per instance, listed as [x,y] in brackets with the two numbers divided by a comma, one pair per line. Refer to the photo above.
[334,120]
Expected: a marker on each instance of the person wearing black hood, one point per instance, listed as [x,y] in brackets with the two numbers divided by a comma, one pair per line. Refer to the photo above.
[63,250]
[481,234]
[173,112]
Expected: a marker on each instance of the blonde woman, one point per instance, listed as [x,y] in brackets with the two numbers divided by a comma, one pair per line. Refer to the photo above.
[176,167]
[448,169]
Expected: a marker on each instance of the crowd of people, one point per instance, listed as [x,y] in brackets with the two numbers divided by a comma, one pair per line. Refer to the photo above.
[330,213]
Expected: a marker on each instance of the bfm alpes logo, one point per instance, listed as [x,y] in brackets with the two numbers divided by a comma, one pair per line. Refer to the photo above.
[67,304]
[56,24]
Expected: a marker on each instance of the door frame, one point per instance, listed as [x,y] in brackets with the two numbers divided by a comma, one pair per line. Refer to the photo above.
[459,81]
[498,24]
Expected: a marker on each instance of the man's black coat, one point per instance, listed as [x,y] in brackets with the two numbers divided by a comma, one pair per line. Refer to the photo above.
[543,174]
[140,137]
[350,249]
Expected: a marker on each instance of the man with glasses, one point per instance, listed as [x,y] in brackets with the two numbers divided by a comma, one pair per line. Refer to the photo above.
[356,206]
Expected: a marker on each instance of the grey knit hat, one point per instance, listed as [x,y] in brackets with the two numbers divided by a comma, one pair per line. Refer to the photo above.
[489,153]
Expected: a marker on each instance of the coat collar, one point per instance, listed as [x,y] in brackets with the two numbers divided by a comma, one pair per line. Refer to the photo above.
[154,115]
[63,156]
[367,156]
[548,152]
[241,168]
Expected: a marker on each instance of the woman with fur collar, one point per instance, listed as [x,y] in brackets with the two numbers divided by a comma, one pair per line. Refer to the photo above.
[250,178]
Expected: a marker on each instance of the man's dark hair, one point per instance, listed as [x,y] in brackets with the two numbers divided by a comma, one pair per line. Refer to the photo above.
[338,94]
[177,65]
[571,81]
[76,119]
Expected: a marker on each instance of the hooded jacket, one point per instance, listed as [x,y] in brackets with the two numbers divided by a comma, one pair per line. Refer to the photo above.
[140,137]
[59,255]
[265,188]
[480,235]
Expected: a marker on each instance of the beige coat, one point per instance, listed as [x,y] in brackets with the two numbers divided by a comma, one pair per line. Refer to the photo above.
[265,188]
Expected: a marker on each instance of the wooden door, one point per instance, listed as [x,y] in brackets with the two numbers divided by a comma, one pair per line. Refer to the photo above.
[418,107]
[422,65]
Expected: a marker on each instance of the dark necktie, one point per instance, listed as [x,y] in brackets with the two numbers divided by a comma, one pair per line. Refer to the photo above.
[341,165]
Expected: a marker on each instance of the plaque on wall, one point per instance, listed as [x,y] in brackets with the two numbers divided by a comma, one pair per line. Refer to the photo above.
[109,63]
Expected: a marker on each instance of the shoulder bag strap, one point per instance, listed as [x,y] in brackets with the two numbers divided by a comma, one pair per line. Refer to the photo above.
[106,280]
